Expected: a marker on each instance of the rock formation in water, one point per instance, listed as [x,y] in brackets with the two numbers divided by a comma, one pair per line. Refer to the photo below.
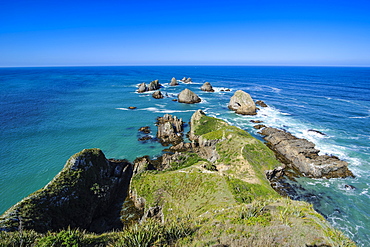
[186,80]
[303,156]
[154,85]
[86,194]
[261,103]
[157,95]
[142,88]
[174,82]
[242,103]
[187,96]
[170,129]
[207,87]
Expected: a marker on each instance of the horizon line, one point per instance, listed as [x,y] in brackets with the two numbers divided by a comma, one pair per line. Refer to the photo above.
[178,65]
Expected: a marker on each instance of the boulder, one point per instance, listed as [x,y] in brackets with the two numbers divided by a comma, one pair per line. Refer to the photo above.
[142,88]
[154,85]
[207,87]
[188,97]
[242,103]
[261,103]
[157,95]
[174,82]
[84,194]
[303,156]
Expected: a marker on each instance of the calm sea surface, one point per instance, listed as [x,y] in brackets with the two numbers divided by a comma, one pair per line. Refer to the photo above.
[48,114]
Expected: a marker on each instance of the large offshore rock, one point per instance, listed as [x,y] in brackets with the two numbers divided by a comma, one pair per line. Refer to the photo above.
[189,97]
[242,103]
[86,193]
[207,87]
[302,155]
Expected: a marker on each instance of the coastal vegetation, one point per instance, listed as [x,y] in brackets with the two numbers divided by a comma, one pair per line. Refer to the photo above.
[215,194]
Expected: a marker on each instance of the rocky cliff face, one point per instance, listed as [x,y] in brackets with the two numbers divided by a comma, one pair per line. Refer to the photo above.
[86,194]
[302,155]
[170,129]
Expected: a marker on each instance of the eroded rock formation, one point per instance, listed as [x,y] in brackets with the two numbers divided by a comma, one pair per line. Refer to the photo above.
[189,97]
[242,103]
[154,85]
[303,156]
[170,129]
[207,87]
[174,82]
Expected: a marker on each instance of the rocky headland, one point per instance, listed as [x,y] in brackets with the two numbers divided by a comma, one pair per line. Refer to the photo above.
[212,189]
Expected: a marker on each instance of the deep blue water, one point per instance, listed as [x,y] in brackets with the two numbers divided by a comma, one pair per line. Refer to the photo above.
[48,114]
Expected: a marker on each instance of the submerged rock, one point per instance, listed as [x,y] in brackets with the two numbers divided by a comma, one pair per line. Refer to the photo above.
[84,194]
[242,103]
[303,156]
[207,87]
[188,97]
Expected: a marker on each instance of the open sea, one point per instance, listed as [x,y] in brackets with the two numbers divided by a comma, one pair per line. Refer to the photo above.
[49,114]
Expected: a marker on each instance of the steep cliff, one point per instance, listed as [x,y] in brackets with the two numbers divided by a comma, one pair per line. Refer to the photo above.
[84,194]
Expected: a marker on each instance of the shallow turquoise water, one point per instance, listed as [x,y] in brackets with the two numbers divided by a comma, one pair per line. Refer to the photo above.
[48,114]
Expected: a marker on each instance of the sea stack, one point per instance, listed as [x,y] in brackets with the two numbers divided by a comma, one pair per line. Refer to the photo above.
[242,103]
[174,82]
[207,87]
[188,97]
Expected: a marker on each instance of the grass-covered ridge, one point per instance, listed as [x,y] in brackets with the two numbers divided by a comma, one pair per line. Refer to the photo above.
[227,201]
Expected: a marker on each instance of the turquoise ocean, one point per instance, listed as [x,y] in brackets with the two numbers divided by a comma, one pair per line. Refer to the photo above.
[49,114]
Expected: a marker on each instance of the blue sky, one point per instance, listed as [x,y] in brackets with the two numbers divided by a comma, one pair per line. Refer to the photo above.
[233,32]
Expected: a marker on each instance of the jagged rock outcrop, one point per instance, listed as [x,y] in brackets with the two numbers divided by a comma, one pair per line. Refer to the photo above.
[189,97]
[207,87]
[157,95]
[154,85]
[142,88]
[174,82]
[242,103]
[170,129]
[87,194]
[186,80]
[303,156]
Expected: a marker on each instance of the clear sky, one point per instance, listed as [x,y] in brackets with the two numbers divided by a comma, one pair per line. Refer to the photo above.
[233,32]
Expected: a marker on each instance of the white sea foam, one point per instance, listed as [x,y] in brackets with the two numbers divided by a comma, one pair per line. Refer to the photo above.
[157,110]
[222,89]
[123,109]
